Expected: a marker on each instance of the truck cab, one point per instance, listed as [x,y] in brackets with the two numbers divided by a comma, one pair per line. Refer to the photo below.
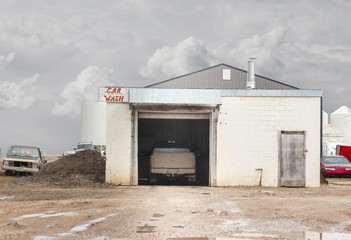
[23,159]
[172,159]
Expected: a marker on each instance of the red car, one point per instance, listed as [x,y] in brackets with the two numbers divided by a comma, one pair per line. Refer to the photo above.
[335,166]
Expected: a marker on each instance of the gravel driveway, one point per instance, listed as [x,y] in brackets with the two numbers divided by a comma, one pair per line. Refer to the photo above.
[100,211]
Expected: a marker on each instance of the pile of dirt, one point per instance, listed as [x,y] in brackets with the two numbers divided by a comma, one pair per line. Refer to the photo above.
[80,169]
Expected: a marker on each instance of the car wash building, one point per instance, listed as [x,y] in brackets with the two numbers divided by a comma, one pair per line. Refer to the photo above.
[249,130]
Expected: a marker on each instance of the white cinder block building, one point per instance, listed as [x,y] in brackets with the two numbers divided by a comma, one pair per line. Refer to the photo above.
[269,135]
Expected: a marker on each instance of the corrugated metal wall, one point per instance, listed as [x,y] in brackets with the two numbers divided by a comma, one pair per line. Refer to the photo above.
[212,78]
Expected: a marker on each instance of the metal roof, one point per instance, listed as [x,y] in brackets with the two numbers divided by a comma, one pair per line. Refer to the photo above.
[212,78]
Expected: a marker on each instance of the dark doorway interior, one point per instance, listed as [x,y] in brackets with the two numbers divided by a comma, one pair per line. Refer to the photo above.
[194,131]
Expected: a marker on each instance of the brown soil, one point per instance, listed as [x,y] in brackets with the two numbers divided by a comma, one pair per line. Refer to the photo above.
[80,169]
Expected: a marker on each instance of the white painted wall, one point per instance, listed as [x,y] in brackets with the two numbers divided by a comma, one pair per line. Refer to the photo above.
[118,144]
[248,138]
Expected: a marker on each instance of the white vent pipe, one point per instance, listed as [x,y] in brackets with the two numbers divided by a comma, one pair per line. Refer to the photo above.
[250,84]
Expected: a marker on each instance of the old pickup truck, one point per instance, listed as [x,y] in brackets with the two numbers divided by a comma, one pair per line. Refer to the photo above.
[23,159]
[172,159]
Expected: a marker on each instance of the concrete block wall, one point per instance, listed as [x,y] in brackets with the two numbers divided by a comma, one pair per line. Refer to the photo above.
[118,144]
[248,138]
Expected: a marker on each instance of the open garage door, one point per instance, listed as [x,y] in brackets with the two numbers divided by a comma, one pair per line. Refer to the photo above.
[193,129]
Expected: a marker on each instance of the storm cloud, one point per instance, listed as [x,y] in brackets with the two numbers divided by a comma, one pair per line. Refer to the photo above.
[83,89]
[54,55]
[18,94]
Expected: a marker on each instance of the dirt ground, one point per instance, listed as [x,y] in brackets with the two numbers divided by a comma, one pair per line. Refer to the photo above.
[45,210]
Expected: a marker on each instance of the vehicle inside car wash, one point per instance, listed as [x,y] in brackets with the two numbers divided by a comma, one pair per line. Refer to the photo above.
[179,133]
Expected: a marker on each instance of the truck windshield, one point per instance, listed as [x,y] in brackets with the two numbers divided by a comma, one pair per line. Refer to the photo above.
[23,152]
[336,160]
[171,150]
[85,146]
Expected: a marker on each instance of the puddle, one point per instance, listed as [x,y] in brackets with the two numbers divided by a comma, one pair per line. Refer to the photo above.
[86,226]
[192,238]
[157,215]
[17,225]
[267,192]
[178,226]
[316,236]
[224,207]
[45,215]
[336,236]
[146,229]
[77,228]
[286,236]
[44,238]
[5,197]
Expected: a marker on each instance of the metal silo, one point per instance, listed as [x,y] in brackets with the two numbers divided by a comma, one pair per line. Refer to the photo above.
[93,128]
[341,119]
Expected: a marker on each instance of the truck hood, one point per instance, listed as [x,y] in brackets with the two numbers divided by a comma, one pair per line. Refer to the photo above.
[19,159]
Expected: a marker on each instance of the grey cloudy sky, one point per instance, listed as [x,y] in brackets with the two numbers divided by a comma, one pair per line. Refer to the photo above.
[55,54]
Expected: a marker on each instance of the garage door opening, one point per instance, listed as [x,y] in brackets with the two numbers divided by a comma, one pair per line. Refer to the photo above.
[195,132]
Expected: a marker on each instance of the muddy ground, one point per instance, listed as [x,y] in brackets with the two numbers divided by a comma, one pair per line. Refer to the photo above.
[94,210]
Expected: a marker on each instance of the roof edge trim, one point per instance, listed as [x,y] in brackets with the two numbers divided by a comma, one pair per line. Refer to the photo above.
[208,96]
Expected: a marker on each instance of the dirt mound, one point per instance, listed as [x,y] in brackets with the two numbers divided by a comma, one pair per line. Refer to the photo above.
[79,169]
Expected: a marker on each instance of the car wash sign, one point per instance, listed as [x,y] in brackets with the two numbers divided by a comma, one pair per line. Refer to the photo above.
[113,94]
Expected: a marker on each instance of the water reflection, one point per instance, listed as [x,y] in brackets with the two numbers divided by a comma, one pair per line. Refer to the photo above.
[287,236]
[317,236]
[335,236]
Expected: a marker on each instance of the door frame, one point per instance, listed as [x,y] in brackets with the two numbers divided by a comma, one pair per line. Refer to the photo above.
[281,132]
[209,112]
